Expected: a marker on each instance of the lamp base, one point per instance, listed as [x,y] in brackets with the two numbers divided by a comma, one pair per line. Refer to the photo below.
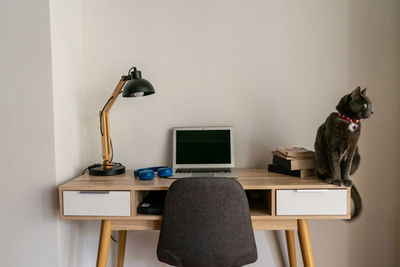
[112,170]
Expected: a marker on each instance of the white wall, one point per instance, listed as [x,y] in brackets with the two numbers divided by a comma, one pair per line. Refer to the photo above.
[272,69]
[28,194]
[252,66]
[68,87]
[69,124]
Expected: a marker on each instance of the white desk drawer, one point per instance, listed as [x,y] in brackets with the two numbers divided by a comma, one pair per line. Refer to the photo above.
[311,202]
[97,203]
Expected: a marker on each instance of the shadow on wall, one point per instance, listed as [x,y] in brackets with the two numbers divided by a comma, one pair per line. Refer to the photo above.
[145,244]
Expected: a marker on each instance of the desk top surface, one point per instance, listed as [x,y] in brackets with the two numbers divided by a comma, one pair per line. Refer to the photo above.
[248,178]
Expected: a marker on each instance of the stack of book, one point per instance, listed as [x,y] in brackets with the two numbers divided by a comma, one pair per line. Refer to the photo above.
[294,161]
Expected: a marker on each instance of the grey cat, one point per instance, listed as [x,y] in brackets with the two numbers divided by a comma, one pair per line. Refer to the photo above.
[336,150]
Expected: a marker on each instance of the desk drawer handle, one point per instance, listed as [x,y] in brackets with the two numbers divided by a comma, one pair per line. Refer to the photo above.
[311,190]
[95,192]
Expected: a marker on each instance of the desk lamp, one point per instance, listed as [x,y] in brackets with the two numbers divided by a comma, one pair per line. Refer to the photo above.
[135,86]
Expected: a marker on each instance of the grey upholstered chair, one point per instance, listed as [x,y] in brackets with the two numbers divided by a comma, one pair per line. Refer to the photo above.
[206,223]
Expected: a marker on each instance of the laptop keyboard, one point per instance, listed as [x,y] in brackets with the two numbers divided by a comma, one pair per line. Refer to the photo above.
[203,170]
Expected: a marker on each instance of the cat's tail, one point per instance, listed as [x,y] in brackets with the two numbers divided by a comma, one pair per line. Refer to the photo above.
[355,196]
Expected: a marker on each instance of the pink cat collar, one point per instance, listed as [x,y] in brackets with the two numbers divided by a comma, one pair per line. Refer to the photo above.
[347,118]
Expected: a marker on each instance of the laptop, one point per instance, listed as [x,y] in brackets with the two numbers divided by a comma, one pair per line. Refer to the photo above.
[203,152]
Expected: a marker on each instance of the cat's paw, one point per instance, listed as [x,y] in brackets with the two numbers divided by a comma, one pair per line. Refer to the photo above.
[328,180]
[337,182]
[347,182]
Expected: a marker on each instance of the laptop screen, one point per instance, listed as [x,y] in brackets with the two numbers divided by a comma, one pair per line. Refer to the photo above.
[203,146]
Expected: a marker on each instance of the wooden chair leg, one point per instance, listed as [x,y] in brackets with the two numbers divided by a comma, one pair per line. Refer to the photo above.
[121,248]
[104,243]
[291,247]
[305,243]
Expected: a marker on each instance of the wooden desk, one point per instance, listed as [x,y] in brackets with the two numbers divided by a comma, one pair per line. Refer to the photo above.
[287,204]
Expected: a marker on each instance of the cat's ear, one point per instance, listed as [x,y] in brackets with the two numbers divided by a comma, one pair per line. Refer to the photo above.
[356,93]
[364,91]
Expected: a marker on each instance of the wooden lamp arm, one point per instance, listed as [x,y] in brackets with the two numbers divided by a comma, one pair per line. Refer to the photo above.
[105,123]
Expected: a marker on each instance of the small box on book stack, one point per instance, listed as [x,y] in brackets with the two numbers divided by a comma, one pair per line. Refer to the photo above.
[294,161]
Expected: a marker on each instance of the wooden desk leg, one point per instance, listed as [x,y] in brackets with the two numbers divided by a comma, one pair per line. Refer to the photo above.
[305,243]
[291,247]
[121,248]
[104,243]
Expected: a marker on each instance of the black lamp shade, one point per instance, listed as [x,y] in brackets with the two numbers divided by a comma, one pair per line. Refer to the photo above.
[138,87]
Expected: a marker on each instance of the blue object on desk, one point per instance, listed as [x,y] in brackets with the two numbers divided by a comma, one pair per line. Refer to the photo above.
[148,173]
[164,172]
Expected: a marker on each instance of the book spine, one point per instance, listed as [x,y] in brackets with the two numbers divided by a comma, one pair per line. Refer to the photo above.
[282,162]
[281,170]
[293,165]
[302,164]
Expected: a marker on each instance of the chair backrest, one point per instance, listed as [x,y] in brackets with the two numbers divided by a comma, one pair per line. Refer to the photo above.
[206,222]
